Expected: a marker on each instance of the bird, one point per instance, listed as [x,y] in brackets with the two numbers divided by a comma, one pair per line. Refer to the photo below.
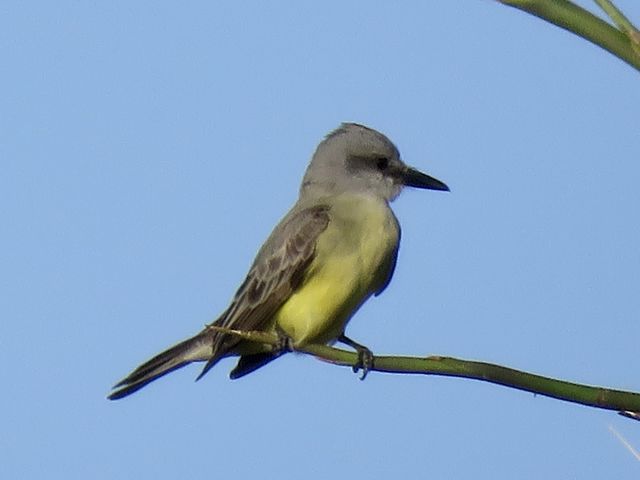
[333,250]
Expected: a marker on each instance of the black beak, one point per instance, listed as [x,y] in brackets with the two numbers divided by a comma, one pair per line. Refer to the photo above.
[415,178]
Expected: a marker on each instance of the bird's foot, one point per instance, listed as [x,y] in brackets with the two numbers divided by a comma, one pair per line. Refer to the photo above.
[284,344]
[365,356]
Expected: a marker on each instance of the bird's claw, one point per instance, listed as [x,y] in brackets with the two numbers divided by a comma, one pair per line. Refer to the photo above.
[365,356]
[284,343]
[365,362]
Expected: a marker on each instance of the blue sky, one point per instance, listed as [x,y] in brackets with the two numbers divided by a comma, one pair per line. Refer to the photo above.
[147,150]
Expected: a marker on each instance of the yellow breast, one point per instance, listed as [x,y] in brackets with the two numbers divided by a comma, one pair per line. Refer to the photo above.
[353,257]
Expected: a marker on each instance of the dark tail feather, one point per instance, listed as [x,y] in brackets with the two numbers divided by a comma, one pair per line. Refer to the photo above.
[208,366]
[250,363]
[195,349]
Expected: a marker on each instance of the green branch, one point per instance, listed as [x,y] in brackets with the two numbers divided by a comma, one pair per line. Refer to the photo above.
[598,397]
[624,43]
[621,21]
[626,403]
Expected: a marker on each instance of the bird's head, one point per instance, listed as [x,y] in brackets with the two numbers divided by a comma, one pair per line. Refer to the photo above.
[358,159]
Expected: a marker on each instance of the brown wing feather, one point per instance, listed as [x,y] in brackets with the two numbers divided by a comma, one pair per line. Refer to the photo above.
[277,271]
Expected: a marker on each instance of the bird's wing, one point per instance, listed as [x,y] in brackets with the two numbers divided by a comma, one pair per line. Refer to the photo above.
[277,271]
[279,268]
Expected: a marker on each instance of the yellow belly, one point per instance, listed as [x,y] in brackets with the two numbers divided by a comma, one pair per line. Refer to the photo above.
[353,258]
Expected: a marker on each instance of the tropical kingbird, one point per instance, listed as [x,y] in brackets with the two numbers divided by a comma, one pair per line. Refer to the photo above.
[335,248]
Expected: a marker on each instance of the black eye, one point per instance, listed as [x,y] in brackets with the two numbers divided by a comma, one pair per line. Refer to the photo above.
[382,163]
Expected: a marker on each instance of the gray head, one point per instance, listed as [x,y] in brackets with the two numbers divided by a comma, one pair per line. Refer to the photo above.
[355,158]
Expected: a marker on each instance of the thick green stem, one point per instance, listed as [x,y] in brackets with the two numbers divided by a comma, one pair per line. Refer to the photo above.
[617,17]
[598,397]
[576,19]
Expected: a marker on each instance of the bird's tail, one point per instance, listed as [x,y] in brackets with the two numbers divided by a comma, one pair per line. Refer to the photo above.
[198,348]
